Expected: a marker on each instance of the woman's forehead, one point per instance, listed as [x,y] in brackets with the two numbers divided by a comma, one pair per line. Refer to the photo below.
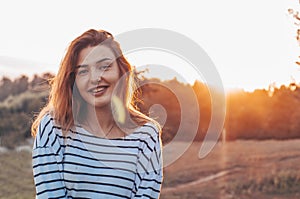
[91,55]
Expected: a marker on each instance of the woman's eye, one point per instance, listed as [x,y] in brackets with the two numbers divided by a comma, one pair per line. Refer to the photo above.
[104,68]
[82,72]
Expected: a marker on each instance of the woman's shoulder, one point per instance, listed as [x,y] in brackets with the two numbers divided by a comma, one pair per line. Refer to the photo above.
[149,137]
[48,122]
[47,131]
[47,119]
[151,127]
[148,130]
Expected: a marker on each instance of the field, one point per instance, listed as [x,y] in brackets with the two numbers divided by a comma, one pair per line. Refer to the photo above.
[16,180]
[239,169]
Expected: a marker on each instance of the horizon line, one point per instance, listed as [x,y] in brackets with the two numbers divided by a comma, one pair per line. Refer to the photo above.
[227,89]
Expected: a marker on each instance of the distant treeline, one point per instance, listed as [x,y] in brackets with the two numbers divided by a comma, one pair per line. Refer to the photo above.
[20,99]
[262,114]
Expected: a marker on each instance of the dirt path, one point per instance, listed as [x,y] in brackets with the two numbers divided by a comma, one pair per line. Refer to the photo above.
[201,180]
[27,148]
[3,149]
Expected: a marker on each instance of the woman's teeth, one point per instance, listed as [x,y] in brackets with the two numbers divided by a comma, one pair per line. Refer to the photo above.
[98,90]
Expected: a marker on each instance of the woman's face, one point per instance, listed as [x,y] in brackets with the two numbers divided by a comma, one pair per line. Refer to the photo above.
[97,74]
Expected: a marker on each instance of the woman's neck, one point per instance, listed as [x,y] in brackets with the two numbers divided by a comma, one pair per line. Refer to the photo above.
[99,119]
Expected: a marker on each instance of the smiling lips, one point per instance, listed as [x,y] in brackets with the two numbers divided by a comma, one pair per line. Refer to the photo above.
[99,90]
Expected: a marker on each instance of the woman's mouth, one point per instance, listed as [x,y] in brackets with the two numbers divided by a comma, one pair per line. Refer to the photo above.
[99,90]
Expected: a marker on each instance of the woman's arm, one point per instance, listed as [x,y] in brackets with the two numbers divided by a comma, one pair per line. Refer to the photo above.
[47,162]
[150,169]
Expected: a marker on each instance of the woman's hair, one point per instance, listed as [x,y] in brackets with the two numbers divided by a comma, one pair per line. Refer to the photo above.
[65,103]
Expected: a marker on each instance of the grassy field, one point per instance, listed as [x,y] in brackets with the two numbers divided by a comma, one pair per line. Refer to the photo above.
[240,169]
[16,180]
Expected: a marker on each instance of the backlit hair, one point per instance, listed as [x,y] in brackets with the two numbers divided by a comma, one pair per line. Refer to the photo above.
[62,104]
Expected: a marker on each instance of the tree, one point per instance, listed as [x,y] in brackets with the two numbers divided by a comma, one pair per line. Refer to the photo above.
[296,16]
[20,85]
[5,87]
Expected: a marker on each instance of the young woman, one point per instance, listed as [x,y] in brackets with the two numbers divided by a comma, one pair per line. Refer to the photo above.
[90,140]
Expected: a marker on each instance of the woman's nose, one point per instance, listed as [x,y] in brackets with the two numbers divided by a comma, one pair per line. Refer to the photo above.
[96,75]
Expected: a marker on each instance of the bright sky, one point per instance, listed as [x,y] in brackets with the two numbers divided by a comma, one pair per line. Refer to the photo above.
[252,43]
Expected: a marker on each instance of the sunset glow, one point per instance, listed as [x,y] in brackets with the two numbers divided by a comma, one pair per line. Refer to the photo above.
[249,50]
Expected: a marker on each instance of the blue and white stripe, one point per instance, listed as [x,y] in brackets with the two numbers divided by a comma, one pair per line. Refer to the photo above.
[81,165]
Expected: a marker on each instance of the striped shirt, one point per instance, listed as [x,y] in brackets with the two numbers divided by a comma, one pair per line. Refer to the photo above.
[81,165]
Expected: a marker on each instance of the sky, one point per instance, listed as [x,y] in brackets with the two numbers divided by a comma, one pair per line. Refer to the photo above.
[251,43]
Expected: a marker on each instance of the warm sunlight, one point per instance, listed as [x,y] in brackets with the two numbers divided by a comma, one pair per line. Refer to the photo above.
[89,132]
[249,51]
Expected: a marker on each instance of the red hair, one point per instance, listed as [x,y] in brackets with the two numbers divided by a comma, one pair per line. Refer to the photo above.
[63,106]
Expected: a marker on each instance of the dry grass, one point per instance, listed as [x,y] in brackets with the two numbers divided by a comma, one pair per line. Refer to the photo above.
[16,180]
[257,169]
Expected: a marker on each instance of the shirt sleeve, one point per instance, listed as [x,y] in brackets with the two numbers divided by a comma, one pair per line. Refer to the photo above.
[47,162]
[150,169]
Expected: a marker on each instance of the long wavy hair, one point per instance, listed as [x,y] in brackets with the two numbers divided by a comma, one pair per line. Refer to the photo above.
[64,107]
